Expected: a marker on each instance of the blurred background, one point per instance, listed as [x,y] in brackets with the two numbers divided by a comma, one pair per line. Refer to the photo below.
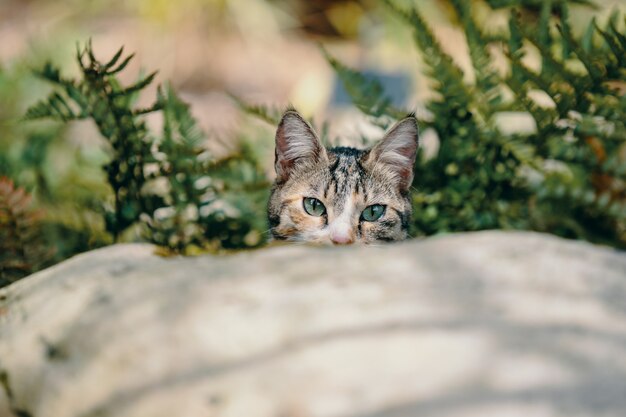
[263,51]
[266,53]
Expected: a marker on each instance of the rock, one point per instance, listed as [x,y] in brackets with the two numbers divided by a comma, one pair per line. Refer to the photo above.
[480,324]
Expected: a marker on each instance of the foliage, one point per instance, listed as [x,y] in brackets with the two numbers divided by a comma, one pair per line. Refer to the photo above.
[169,183]
[268,114]
[63,176]
[535,4]
[568,175]
[367,94]
[21,249]
[200,207]
[102,98]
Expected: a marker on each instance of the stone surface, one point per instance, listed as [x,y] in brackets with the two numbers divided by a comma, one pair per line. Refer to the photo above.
[482,324]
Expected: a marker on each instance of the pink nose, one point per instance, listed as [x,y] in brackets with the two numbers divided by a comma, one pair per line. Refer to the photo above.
[341,238]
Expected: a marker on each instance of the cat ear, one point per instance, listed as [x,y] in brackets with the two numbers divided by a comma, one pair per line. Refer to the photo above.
[296,142]
[396,152]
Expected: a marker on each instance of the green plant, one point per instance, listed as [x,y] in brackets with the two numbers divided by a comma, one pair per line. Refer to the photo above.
[367,94]
[21,248]
[568,176]
[62,175]
[99,96]
[170,183]
[198,208]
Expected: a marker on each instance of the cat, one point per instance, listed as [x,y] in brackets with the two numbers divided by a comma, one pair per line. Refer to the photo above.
[341,195]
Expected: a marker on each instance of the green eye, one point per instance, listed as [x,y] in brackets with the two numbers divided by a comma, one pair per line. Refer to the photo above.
[373,212]
[314,207]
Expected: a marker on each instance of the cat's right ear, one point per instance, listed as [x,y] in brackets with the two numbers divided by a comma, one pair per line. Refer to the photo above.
[397,151]
[296,143]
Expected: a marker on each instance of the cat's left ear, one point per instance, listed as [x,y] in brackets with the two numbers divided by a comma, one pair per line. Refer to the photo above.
[396,152]
[296,143]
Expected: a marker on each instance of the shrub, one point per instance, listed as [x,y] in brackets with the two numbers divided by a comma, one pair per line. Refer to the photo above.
[170,183]
[21,249]
[568,175]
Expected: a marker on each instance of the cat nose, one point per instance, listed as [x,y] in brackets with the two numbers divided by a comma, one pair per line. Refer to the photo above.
[341,238]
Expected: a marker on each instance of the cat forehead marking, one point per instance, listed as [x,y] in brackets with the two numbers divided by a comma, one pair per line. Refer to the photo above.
[346,176]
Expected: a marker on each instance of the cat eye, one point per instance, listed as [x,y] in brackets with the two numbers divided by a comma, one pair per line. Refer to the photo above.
[314,207]
[373,212]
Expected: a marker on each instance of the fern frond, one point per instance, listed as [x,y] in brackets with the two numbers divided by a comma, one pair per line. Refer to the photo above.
[367,93]
[21,251]
[271,115]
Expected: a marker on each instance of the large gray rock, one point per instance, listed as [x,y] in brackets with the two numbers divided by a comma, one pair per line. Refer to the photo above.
[483,324]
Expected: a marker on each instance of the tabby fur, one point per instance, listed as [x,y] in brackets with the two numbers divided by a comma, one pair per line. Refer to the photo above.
[346,181]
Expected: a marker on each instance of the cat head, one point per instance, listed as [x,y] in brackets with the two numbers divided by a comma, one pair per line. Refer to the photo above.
[341,195]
